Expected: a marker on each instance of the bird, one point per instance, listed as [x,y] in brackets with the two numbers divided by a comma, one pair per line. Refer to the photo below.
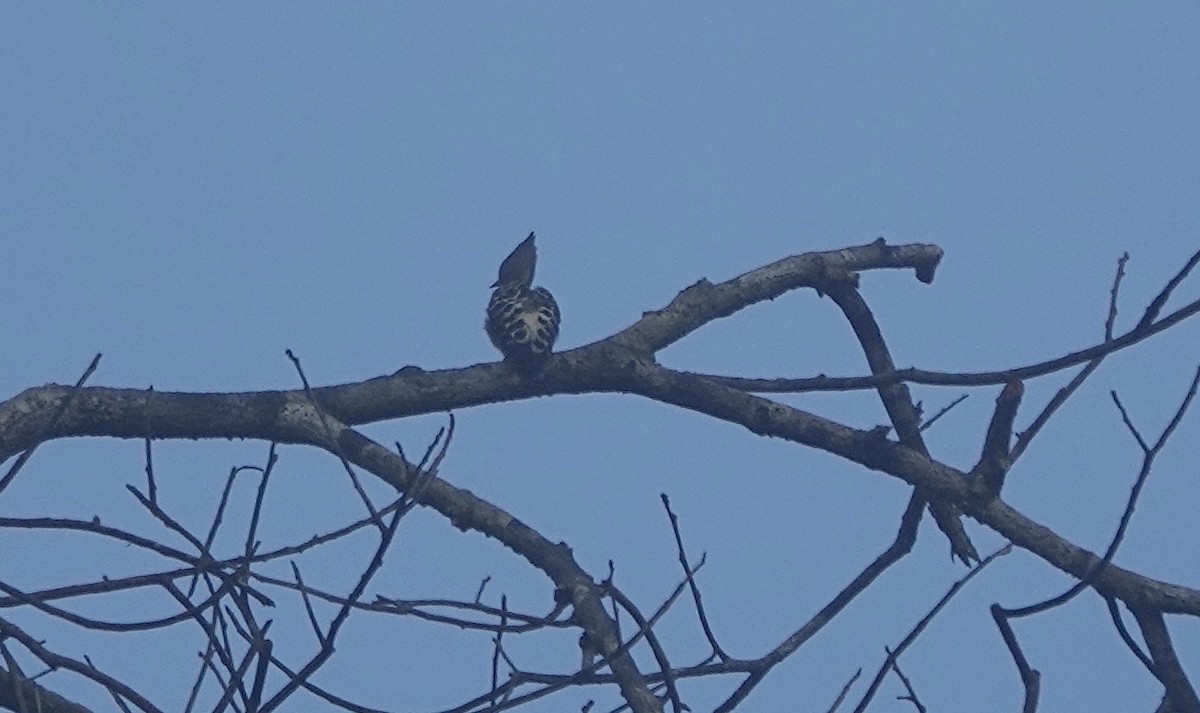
[522,320]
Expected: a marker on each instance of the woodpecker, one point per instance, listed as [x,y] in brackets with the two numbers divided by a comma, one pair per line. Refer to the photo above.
[522,320]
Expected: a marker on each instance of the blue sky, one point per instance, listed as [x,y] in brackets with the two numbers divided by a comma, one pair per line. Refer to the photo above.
[193,189]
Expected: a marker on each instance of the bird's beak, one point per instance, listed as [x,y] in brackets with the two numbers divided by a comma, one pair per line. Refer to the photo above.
[495,284]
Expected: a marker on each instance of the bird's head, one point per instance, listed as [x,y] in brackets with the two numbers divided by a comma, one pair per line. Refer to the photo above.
[518,267]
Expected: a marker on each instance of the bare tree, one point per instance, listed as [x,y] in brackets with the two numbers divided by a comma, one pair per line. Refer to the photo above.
[224,596]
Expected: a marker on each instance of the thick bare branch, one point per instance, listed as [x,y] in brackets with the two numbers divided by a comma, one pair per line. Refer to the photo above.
[623,363]
[1166,662]
[995,459]
[897,401]
[18,694]
[25,418]
[467,511]
[704,301]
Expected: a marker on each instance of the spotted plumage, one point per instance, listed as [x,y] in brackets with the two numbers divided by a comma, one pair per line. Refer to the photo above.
[522,320]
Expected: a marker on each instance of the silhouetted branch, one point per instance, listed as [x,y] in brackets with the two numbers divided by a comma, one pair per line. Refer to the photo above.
[697,600]
[1031,679]
[239,655]
[950,378]
[1160,300]
[837,702]
[332,443]
[1166,662]
[911,695]
[897,401]
[901,546]
[1119,624]
[115,695]
[1149,454]
[995,461]
[499,647]
[327,638]
[53,660]
[894,654]
[17,693]
[646,628]
[1024,438]
[1111,322]
[928,423]
[55,417]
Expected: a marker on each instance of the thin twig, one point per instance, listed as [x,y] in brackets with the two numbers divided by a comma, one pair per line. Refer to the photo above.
[115,696]
[151,484]
[1160,300]
[902,545]
[924,622]
[88,671]
[54,419]
[499,646]
[837,702]
[945,410]
[1031,679]
[1149,454]
[1115,613]
[687,568]
[911,696]
[945,378]
[252,529]
[327,646]
[1110,323]
[334,446]
[660,654]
